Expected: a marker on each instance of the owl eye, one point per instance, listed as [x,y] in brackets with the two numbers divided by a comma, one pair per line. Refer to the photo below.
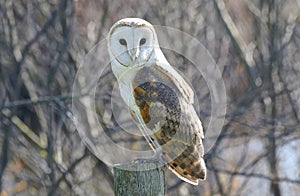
[123,42]
[143,41]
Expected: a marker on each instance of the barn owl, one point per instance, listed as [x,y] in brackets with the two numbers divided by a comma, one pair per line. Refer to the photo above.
[159,99]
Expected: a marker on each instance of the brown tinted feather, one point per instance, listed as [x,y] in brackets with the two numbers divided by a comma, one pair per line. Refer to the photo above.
[144,107]
[175,125]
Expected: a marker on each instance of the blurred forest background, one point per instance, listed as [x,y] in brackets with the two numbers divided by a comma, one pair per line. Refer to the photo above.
[255,43]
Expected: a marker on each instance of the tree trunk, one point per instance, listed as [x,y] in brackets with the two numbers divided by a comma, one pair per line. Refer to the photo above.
[139,179]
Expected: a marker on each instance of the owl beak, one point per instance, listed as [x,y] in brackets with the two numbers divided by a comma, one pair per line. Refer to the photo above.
[134,54]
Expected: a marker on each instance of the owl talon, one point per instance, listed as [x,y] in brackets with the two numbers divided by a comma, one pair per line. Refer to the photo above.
[145,160]
[150,160]
[157,157]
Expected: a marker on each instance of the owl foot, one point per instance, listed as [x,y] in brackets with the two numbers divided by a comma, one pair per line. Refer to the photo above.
[145,160]
[157,157]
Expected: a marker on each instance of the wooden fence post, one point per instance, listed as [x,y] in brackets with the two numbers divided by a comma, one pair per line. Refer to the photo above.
[134,179]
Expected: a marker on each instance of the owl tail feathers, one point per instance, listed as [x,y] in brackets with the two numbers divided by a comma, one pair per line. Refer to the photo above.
[189,173]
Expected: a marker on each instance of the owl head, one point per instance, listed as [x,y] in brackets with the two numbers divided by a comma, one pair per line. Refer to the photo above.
[131,43]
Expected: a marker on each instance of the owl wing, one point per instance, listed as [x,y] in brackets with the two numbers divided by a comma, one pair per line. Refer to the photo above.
[185,91]
[183,87]
[171,122]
